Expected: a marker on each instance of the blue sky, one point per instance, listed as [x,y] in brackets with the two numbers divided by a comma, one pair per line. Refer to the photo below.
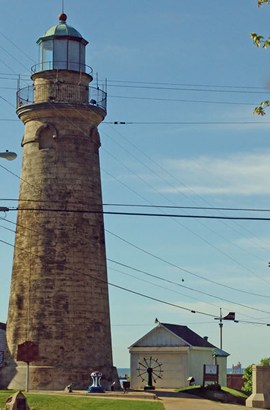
[185,77]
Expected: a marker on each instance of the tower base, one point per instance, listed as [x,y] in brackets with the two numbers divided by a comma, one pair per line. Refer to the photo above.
[53,378]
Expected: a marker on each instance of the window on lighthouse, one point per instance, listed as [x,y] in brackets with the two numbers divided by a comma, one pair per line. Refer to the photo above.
[74,55]
[47,55]
[60,54]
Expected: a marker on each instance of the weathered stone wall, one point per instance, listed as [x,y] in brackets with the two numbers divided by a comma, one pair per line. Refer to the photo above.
[59,291]
[260,397]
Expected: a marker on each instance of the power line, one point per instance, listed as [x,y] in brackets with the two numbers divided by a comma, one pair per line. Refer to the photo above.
[128,205]
[170,263]
[162,279]
[155,284]
[18,48]
[186,122]
[9,103]
[53,106]
[182,100]
[187,84]
[189,288]
[135,292]
[121,287]
[185,207]
[171,85]
[138,293]
[56,108]
[191,88]
[177,220]
[159,215]
[164,170]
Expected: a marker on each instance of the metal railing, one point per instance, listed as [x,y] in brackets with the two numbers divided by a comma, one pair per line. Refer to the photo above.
[58,92]
[62,65]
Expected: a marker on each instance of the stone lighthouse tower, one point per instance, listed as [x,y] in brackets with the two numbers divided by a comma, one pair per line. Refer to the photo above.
[59,291]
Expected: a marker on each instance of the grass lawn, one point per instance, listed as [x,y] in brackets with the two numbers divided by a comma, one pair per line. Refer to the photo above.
[223,394]
[48,402]
[236,393]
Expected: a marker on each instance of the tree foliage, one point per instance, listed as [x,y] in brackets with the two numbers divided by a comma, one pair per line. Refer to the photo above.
[247,376]
[260,41]
[261,2]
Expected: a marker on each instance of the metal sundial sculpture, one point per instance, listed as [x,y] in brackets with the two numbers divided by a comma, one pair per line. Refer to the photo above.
[150,369]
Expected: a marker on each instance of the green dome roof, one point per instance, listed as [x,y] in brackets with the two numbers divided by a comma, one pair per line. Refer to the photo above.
[62,29]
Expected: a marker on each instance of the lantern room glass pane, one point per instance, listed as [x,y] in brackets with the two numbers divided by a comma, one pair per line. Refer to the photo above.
[82,57]
[60,57]
[74,55]
[46,55]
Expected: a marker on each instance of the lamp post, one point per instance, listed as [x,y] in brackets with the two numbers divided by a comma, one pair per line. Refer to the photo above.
[10,156]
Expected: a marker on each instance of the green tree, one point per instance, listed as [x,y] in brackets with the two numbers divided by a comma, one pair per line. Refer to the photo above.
[260,2]
[260,41]
[247,376]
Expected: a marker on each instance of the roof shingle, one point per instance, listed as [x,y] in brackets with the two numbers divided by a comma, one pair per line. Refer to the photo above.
[187,335]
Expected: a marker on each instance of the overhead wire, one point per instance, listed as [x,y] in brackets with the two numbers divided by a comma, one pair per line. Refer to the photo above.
[54,107]
[144,214]
[147,296]
[128,97]
[171,264]
[18,177]
[187,122]
[121,287]
[184,286]
[150,160]
[192,89]
[174,265]
[228,86]
[153,298]
[139,205]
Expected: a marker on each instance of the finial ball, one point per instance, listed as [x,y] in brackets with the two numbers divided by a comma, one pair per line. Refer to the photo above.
[62,17]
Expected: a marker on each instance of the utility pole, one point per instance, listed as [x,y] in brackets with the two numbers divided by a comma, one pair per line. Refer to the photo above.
[229,316]
[220,328]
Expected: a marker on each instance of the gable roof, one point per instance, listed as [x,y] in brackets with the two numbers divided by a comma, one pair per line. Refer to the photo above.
[177,335]
[220,353]
[192,338]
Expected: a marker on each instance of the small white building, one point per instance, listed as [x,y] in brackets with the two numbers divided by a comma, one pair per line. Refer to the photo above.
[174,353]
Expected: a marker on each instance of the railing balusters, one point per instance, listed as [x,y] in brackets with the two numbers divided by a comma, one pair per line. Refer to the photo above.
[66,93]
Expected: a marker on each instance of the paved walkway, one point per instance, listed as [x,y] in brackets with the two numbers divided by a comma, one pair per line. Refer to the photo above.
[188,402]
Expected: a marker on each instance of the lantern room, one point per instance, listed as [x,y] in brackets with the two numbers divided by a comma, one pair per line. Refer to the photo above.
[62,48]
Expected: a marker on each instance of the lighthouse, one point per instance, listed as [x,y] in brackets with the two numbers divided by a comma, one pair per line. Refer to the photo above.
[59,290]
